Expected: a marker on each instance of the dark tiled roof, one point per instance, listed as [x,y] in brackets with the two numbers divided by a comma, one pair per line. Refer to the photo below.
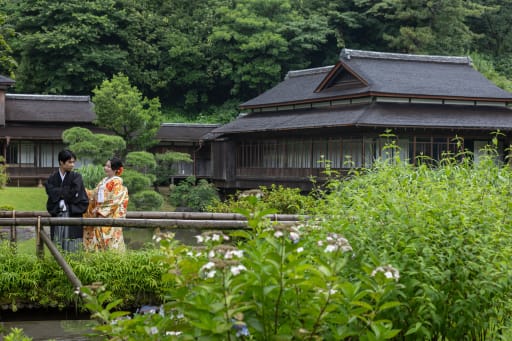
[5,82]
[296,87]
[189,132]
[29,131]
[375,115]
[390,74]
[48,108]
[422,75]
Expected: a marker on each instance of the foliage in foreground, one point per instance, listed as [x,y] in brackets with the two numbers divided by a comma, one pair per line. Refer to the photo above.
[42,283]
[277,282]
[396,252]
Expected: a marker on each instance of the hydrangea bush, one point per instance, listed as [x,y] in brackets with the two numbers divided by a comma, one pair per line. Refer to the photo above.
[274,282]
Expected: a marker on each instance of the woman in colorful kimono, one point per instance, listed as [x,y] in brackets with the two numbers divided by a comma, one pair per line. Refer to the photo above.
[108,200]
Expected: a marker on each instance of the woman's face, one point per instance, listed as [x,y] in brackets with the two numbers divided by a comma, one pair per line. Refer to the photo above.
[108,170]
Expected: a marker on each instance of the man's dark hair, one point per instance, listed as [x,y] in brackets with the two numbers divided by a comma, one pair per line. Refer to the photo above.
[65,155]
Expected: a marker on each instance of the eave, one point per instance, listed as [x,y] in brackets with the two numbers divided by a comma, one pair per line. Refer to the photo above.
[349,99]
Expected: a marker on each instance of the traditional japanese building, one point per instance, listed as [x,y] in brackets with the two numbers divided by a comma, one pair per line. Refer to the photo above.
[345,113]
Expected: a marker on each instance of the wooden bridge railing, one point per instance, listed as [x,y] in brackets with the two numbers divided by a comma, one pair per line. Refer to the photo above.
[174,220]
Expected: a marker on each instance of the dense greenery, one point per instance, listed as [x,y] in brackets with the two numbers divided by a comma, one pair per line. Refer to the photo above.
[203,57]
[3,172]
[284,200]
[28,280]
[193,194]
[392,252]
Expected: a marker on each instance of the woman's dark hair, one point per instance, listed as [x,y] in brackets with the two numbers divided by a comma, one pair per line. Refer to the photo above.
[115,163]
[65,155]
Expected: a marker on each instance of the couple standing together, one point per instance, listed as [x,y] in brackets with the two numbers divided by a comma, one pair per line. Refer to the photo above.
[68,197]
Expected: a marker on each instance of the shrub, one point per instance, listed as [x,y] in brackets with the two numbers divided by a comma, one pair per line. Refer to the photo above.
[147,200]
[3,173]
[284,199]
[196,195]
[91,174]
[26,279]
[267,288]
[447,229]
[135,181]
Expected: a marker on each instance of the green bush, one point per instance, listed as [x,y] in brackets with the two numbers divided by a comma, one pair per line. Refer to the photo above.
[282,283]
[26,279]
[135,181]
[195,195]
[3,173]
[447,229]
[91,174]
[147,200]
[284,199]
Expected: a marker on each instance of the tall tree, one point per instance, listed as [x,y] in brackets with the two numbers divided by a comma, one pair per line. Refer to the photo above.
[121,108]
[257,42]
[65,47]
[494,29]
[7,62]
[425,26]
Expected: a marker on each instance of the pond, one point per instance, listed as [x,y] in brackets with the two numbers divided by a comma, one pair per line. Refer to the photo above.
[49,325]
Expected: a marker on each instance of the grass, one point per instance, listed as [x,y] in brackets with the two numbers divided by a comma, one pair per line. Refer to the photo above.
[34,198]
[24,198]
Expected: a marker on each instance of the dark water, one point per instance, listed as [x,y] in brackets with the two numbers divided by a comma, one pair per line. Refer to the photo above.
[135,238]
[45,324]
[53,329]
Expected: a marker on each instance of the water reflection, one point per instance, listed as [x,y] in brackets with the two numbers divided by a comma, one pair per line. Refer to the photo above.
[136,238]
[54,329]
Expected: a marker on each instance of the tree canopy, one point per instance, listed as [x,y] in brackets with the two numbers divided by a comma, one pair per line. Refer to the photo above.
[121,108]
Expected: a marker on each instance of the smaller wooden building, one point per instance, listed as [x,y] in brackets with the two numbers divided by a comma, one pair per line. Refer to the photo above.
[31,128]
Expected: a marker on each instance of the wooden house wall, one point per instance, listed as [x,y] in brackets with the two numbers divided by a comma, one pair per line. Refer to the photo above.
[291,160]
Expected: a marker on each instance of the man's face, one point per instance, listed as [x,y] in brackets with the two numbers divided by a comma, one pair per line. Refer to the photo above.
[68,165]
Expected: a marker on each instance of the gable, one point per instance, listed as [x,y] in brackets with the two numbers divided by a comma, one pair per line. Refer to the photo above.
[341,78]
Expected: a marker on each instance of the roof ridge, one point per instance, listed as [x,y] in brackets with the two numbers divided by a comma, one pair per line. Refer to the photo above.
[306,72]
[71,98]
[191,124]
[349,53]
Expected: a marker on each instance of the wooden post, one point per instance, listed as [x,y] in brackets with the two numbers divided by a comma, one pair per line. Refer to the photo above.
[61,261]
[13,234]
[39,245]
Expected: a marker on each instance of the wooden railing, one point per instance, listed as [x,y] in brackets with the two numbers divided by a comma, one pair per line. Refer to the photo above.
[170,220]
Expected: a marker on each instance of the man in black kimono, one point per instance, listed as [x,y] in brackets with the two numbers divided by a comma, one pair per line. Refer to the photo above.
[66,198]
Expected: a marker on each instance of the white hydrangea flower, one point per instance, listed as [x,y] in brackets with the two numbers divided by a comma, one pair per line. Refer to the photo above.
[388,271]
[208,266]
[235,270]
[331,248]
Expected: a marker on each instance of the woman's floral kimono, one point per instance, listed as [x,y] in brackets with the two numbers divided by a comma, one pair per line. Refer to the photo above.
[108,200]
